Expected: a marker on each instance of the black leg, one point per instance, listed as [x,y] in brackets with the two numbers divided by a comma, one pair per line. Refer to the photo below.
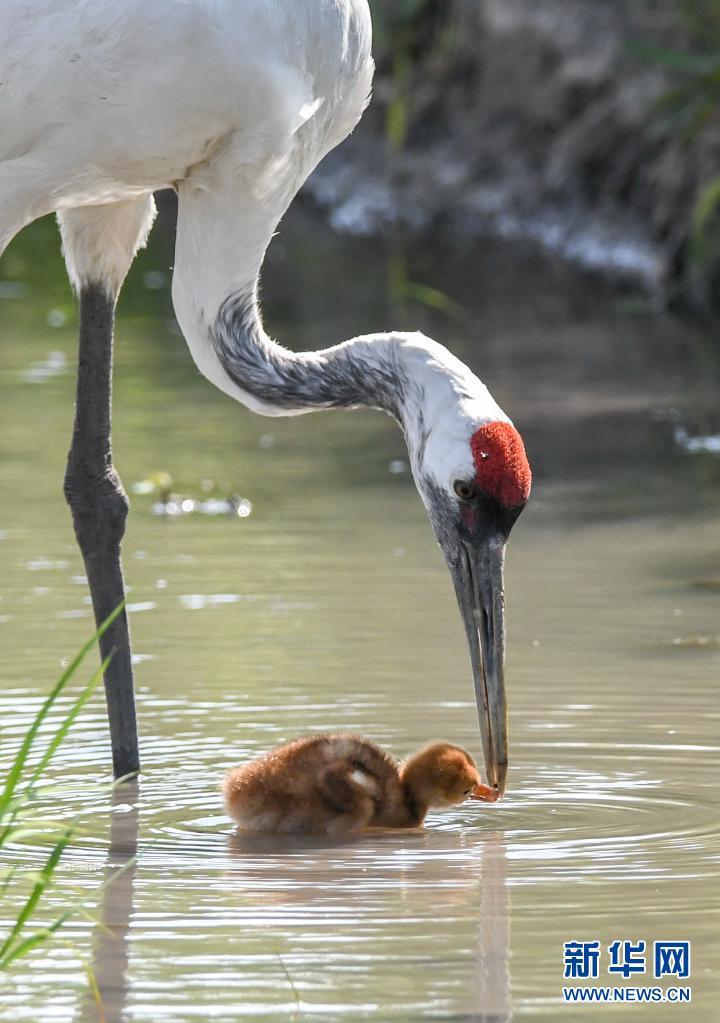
[99,509]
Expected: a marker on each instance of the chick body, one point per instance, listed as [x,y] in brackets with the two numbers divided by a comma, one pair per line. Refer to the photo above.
[341,784]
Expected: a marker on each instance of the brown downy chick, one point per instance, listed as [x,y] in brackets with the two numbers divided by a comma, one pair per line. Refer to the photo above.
[341,784]
[440,776]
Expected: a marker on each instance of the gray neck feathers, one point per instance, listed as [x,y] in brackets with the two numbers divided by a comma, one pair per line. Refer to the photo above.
[364,371]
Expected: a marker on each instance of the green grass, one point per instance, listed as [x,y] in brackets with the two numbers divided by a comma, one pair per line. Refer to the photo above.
[21,788]
[692,104]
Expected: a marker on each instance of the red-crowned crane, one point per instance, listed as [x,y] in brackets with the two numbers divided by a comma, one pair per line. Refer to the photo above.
[232,103]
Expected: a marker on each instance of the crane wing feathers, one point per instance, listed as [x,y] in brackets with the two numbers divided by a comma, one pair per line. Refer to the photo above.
[102,101]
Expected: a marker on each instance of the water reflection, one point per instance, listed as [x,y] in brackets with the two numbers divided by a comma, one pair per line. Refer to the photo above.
[335,889]
[492,972]
[111,939]
[329,608]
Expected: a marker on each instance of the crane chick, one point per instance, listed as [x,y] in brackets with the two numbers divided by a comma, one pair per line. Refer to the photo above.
[341,784]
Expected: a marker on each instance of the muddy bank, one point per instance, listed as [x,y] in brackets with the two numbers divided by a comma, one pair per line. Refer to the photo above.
[534,121]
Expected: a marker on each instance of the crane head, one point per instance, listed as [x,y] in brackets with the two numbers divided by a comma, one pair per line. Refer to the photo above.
[474,478]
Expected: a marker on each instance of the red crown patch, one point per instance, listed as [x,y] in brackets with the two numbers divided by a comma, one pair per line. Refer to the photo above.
[501,465]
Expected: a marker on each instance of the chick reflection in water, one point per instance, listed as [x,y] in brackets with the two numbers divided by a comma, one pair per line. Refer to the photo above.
[342,784]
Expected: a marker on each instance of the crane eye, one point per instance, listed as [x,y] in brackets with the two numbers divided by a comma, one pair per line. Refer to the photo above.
[465,490]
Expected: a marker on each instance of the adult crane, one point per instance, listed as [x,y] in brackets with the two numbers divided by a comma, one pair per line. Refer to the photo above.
[232,103]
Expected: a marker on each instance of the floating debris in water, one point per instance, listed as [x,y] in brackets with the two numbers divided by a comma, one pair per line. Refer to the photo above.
[141,605]
[199,601]
[3,534]
[45,565]
[698,641]
[156,482]
[54,365]
[233,506]
[397,467]
[243,508]
[172,505]
[74,613]
[707,445]
[266,440]
[141,658]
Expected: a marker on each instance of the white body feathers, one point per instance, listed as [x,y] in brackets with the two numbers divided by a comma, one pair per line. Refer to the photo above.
[232,104]
[104,101]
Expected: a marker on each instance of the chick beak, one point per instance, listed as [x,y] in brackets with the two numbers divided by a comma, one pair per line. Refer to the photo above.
[484,793]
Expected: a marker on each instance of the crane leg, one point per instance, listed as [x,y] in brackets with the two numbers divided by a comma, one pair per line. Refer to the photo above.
[99,508]
[98,503]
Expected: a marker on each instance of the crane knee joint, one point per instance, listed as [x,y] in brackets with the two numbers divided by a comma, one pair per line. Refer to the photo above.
[98,504]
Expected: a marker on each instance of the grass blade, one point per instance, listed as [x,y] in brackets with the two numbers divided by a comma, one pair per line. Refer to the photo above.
[95,989]
[70,717]
[24,751]
[10,873]
[433,298]
[706,206]
[45,877]
[10,952]
[28,944]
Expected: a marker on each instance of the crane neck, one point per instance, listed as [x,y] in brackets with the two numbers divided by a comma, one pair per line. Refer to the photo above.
[222,237]
[221,242]
[364,371]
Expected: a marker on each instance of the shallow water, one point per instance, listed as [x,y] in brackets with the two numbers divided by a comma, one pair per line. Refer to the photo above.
[328,607]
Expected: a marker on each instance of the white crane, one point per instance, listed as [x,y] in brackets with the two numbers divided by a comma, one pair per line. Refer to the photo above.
[232,103]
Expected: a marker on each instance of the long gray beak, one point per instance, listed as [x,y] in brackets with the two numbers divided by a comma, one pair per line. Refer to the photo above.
[478,579]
